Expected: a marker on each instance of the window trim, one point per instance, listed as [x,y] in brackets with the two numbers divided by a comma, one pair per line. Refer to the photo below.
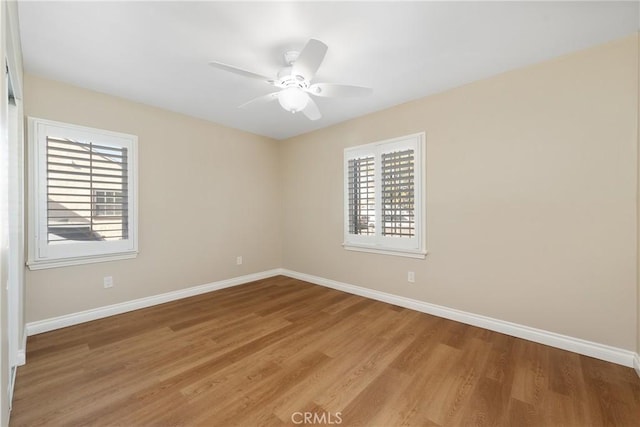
[40,254]
[415,247]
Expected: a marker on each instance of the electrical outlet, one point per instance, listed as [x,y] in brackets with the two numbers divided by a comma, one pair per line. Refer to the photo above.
[239,260]
[107,282]
[411,277]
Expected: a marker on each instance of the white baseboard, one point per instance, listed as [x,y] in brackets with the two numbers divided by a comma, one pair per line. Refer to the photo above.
[576,345]
[33,328]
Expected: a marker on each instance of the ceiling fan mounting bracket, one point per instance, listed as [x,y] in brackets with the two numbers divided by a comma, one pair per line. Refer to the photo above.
[291,56]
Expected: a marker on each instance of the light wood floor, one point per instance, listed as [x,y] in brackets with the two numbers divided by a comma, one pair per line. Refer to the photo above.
[261,353]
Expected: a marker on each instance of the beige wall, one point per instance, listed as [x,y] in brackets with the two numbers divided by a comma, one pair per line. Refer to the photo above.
[531,197]
[206,195]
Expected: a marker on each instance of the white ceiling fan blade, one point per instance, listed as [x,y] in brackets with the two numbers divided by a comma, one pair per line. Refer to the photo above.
[240,71]
[260,100]
[309,59]
[332,90]
[311,110]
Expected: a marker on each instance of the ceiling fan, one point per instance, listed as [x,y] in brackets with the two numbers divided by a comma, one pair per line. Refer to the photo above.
[294,81]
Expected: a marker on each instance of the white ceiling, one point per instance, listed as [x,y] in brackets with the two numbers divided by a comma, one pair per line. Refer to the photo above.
[157,53]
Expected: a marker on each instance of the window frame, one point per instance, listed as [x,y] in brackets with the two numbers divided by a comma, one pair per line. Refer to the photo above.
[412,247]
[41,254]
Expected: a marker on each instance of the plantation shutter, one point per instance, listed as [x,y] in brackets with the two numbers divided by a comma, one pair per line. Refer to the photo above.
[361,187]
[87,191]
[398,209]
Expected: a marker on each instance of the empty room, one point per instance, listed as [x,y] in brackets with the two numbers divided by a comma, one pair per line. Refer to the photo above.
[389,213]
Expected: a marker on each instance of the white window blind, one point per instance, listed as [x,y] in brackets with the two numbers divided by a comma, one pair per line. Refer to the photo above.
[83,194]
[361,205]
[87,185]
[384,187]
[398,210]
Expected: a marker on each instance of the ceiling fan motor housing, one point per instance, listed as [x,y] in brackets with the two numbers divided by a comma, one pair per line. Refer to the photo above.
[286,78]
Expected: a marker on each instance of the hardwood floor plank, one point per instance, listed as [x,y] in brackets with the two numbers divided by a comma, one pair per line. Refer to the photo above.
[531,373]
[523,414]
[485,406]
[461,384]
[376,398]
[419,404]
[361,373]
[256,400]
[499,366]
[267,351]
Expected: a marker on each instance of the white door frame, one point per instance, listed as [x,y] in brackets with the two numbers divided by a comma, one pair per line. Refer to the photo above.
[13,201]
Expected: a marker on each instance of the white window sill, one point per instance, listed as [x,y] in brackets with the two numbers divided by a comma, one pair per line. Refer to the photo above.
[386,251]
[43,264]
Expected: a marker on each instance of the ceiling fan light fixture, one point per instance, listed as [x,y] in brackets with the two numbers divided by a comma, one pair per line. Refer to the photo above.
[293,99]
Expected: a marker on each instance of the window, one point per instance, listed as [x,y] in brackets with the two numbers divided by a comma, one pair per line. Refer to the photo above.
[108,203]
[83,195]
[384,185]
